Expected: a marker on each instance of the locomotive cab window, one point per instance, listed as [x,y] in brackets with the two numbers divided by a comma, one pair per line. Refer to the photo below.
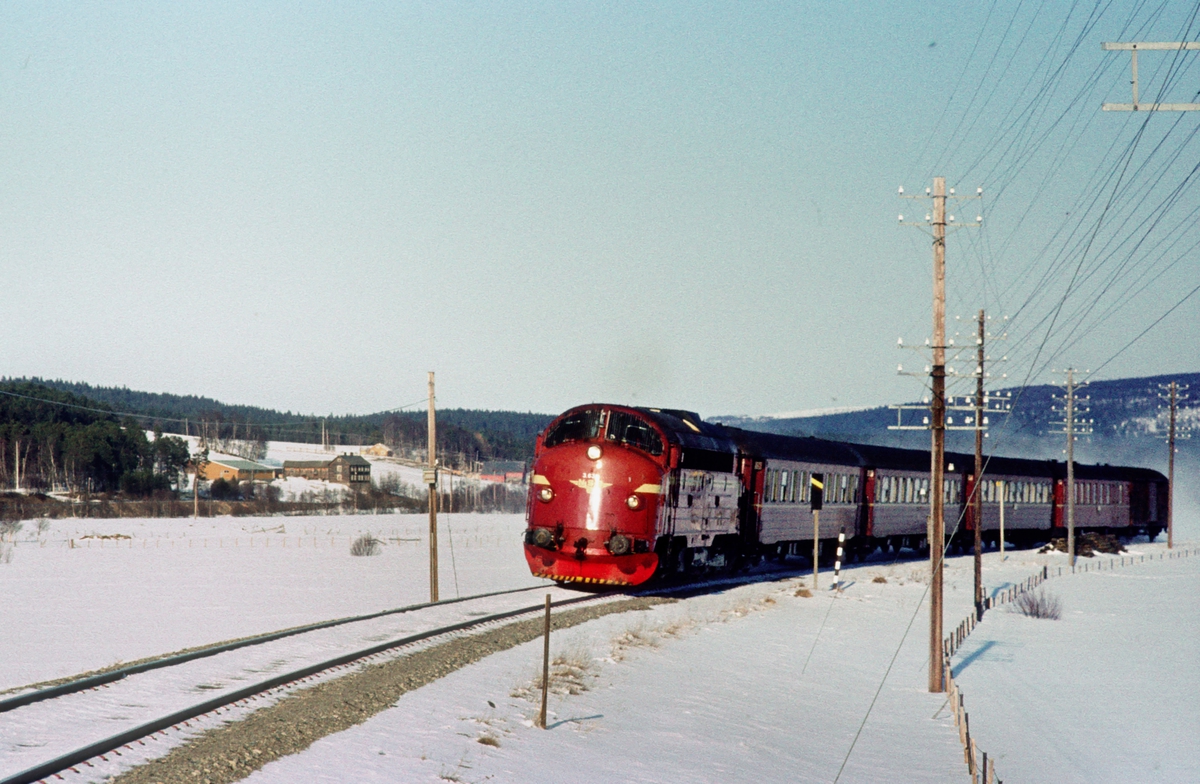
[580,426]
[632,430]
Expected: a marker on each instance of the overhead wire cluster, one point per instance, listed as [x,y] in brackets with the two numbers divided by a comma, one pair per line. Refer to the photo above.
[1073,243]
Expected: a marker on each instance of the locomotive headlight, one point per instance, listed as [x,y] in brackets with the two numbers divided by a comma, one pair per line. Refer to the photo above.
[619,544]
[545,495]
[543,537]
[594,452]
[633,502]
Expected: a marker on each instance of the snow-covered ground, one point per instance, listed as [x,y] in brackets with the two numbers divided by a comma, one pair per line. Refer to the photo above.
[1105,694]
[177,583]
[715,688]
[750,683]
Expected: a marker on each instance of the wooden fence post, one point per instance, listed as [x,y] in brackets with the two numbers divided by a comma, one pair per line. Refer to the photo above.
[545,666]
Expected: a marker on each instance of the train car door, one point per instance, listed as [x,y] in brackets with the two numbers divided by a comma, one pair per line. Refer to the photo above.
[750,502]
[1059,515]
[865,522]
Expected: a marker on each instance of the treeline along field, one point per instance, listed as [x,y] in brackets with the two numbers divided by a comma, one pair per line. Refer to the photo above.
[463,434]
[50,439]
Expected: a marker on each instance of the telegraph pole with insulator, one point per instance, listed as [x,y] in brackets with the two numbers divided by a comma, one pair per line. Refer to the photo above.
[1073,426]
[936,223]
[1175,392]
[978,486]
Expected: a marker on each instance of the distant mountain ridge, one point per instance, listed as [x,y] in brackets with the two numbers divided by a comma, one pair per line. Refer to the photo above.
[1130,419]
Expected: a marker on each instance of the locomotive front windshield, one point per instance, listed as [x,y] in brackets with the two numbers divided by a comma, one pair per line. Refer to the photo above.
[579,426]
[632,430]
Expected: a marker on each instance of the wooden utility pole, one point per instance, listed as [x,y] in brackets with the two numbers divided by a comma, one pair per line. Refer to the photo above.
[1072,426]
[937,540]
[1071,466]
[979,471]
[1171,474]
[937,223]
[1175,393]
[431,480]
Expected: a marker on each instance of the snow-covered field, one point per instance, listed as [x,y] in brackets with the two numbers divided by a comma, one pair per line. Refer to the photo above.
[177,583]
[1105,694]
[750,683]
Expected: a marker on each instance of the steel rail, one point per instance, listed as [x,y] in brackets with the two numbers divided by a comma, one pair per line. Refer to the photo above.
[92,681]
[72,758]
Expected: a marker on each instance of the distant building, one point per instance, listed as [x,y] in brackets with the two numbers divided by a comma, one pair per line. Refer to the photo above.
[233,469]
[503,471]
[352,470]
[307,469]
[379,450]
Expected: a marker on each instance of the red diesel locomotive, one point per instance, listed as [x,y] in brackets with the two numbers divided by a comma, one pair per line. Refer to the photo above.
[619,494]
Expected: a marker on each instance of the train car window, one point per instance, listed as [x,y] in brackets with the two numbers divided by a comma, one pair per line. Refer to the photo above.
[805,486]
[783,485]
[632,430]
[579,426]
[854,490]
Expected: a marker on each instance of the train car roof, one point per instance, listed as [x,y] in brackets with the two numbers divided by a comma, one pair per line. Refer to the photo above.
[691,432]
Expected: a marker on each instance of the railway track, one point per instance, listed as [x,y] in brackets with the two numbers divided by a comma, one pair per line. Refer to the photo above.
[160,695]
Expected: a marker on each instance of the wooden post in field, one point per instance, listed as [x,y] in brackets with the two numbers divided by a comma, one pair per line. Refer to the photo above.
[545,666]
[431,481]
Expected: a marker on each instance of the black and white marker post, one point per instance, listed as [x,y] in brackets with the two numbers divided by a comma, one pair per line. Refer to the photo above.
[837,564]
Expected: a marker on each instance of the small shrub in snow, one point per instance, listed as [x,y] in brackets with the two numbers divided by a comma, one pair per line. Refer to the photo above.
[366,545]
[879,578]
[1039,604]
[488,740]
[804,593]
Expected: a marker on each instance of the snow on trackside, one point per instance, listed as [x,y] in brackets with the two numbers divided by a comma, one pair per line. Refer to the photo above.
[714,688]
[88,593]
[1107,693]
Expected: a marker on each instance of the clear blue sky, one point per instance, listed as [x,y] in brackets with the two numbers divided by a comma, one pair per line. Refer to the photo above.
[307,207]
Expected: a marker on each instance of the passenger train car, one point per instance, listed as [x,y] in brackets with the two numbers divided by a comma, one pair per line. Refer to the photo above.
[621,494]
